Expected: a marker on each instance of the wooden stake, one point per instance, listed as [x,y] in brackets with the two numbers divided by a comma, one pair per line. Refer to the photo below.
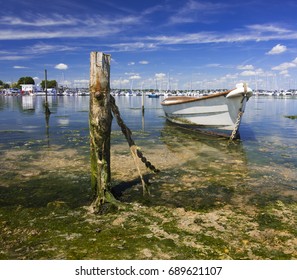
[100,119]
[47,110]
[142,107]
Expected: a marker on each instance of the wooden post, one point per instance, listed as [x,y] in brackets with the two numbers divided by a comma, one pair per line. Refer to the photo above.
[47,110]
[142,107]
[45,85]
[100,119]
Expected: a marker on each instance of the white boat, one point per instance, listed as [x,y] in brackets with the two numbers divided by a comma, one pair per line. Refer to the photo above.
[218,113]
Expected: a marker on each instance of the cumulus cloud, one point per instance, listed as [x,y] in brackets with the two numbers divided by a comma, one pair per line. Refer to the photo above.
[284,66]
[245,67]
[81,81]
[248,73]
[135,77]
[143,62]
[284,72]
[61,66]
[120,83]
[277,49]
[160,76]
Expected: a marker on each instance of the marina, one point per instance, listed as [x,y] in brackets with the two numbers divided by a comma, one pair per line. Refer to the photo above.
[211,200]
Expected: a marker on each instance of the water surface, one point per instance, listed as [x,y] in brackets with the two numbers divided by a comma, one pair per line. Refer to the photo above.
[212,199]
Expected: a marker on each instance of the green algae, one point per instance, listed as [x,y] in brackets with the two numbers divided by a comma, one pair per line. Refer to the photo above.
[204,205]
[12,131]
[266,220]
[294,117]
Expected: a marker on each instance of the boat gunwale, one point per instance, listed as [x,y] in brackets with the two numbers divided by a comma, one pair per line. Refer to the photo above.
[187,99]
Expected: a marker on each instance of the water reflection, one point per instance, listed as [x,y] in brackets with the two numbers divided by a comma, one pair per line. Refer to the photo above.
[211,199]
[196,170]
[28,102]
[264,158]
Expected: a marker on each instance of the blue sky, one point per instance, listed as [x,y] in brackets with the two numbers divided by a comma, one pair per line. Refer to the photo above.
[186,44]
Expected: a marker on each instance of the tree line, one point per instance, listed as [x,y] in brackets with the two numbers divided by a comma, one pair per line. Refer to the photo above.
[28,81]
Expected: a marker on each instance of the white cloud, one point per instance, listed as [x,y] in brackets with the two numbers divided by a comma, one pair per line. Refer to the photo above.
[13,57]
[19,67]
[195,11]
[160,76]
[132,46]
[131,73]
[39,20]
[131,63]
[284,66]
[268,28]
[248,73]
[69,32]
[260,72]
[277,49]
[81,81]
[143,62]
[135,77]
[61,66]
[41,48]
[245,67]
[66,83]
[62,26]
[120,83]
[213,65]
[231,76]
[284,72]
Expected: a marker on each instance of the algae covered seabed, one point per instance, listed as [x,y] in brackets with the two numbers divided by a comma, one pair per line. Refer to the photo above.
[210,200]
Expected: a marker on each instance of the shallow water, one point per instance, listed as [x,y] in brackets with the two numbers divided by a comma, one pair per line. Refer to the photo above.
[44,165]
[268,137]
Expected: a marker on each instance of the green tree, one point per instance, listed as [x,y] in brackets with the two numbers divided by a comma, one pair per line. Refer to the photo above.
[26,81]
[14,85]
[49,84]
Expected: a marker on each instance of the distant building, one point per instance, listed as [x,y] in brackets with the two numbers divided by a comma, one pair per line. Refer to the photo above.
[27,89]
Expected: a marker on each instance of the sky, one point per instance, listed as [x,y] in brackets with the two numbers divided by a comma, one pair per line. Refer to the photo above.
[164,44]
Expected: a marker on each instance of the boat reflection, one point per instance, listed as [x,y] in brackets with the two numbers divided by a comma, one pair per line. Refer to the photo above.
[199,171]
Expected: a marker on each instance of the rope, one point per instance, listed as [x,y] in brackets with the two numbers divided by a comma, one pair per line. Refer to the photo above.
[239,116]
[136,153]
[234,132]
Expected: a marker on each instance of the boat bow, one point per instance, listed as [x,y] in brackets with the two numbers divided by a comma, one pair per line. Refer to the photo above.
[241,90]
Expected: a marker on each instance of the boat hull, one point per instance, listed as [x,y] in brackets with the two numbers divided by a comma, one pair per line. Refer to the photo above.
[217,114]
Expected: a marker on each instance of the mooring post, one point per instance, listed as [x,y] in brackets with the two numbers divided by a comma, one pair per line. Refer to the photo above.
[142,107]
[47,110]
[100,119]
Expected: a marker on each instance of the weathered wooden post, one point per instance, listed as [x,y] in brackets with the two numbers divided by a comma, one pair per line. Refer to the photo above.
[47,110]
[100,119]
[142,107]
